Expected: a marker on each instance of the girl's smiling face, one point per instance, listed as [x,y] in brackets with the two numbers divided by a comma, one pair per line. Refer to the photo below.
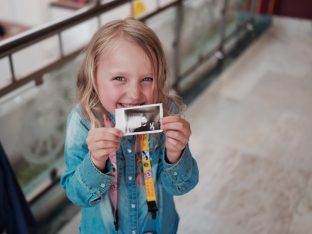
[124,77]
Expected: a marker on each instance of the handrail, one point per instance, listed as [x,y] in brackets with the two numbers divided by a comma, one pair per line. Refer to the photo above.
[23,40]
[31,36]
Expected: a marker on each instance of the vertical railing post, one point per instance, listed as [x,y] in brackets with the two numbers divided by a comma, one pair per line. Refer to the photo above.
[158,4]
[132,8]
[59,36]
[12,68]
[252,21]
[176,46]
[99,22]
[220,52]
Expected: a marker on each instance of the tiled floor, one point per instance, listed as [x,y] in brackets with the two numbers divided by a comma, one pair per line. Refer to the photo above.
[252,134]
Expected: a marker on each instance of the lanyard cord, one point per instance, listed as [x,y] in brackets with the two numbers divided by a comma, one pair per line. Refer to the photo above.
[143,143]
[148,174]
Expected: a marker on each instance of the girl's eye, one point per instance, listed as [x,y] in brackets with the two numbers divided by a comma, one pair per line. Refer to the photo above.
[119,78]
[148,79]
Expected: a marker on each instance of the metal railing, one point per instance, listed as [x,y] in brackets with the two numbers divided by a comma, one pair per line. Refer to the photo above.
[31,37]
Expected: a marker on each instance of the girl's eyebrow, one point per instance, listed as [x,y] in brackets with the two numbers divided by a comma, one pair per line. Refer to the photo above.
[118,73]
[149,75]
[121,73]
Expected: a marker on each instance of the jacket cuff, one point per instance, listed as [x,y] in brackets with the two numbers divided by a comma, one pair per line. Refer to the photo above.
[93,179]
[181,170]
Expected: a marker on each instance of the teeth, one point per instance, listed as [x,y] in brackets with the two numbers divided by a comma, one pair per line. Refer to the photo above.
[130,105]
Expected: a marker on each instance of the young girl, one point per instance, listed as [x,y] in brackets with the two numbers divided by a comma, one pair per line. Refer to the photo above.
[125,184]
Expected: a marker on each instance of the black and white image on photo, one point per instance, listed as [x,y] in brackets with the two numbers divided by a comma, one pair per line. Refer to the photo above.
[139,119]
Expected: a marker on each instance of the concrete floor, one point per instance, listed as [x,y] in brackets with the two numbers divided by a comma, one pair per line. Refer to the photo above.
[252,134]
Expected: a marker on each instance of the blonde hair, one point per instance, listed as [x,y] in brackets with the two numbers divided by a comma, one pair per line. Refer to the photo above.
[102,41]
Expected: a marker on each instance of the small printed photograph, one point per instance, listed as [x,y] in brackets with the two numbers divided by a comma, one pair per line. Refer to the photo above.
[139,119]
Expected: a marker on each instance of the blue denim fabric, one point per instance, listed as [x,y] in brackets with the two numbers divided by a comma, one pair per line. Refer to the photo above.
[88,187]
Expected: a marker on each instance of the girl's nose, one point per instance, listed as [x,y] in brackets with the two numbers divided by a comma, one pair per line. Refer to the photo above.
[135,92]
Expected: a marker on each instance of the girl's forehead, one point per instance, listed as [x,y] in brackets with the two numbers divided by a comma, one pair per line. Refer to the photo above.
[116,43]
[120,47]
[127,56]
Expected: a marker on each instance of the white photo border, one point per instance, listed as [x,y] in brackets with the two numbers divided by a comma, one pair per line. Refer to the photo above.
[120,117]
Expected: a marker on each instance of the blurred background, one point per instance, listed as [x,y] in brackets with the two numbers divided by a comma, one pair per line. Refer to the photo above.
[243,67]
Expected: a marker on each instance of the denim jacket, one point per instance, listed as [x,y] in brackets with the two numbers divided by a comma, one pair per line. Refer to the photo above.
[88,187]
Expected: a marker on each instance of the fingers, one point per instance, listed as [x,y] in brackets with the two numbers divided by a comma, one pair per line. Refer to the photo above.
[108,134]
[174,145]
[103,141]
[178,137]
[180,126]
[102,154]
[98,145]
[177,131]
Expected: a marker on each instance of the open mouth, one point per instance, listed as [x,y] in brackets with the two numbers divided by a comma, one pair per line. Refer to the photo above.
[124,105]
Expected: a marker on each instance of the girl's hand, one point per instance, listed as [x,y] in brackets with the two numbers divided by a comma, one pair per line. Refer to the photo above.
[101,142]
[178,132]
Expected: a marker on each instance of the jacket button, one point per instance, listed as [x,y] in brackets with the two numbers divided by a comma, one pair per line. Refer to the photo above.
[129,151]
[102,185]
